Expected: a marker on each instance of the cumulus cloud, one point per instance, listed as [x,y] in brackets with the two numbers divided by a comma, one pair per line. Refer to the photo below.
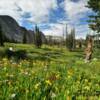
[58,29]
[76,13]
[54,30]
[9,8]
[75,10]
[82,31]
[38,9]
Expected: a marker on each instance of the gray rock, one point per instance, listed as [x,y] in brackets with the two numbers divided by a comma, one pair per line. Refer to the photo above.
[14,33]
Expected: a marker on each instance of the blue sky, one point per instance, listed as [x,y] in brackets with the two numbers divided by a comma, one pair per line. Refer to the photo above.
[50,15]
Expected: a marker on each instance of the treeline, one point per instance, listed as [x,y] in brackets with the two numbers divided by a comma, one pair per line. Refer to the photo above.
[68,41]
[38,38]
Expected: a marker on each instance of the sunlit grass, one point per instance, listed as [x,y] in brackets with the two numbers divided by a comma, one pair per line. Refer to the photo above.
[52,73]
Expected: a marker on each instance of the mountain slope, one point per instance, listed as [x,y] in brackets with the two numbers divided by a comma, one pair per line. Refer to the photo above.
[14,33]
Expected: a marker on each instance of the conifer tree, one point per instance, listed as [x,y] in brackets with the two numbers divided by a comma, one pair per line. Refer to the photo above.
[24,38]
[94,21]
[67,38]
[70,40]
[38,37]
[1,37]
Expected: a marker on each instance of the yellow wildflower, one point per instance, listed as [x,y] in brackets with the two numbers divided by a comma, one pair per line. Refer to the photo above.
[86,80]
[70,72]
[87,87]
[4,59]
[57,76]
[48,82]
[7,74]
[36,86]
[69,76]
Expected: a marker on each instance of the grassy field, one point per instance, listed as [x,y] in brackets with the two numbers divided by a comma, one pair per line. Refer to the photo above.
[49,73]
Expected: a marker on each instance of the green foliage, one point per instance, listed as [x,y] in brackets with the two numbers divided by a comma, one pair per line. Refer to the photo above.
[52,74]
[38,37]
[95,18]
[70,40]
[50,41]
[24,38]
[1,37]
[50,80]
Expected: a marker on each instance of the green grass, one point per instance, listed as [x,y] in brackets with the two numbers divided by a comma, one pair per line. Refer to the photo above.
[50,73]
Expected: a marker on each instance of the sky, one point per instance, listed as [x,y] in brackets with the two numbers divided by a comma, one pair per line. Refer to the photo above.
[51,16]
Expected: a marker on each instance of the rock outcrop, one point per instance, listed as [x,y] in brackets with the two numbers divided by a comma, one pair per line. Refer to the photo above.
[14,33]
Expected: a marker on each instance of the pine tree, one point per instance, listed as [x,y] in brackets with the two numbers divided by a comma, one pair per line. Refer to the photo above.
[50,41]
[70,40]
[24,38]
[73,38]
[1,37]
[87,37]
[38,37]
[94,21]
[67,38]
[80,43]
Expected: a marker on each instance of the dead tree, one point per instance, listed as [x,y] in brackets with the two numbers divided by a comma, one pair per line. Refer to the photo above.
[89,49]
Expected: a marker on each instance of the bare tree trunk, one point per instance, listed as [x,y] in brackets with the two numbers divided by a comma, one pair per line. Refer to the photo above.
[89,50]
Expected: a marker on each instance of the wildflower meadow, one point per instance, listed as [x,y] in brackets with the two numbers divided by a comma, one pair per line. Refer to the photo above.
[60,76]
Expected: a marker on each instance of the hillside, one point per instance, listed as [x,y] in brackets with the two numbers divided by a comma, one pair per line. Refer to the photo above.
[13,32]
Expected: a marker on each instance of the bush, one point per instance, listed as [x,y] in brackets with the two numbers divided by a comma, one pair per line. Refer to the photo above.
[20,54]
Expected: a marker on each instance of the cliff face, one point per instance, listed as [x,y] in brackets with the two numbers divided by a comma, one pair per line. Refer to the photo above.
[30,36]
[14,33]
[10,28]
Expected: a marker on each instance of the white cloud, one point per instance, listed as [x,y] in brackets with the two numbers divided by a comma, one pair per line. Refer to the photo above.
[75,10]
[38,9]
[81,31]
[57,29]
[9,8]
